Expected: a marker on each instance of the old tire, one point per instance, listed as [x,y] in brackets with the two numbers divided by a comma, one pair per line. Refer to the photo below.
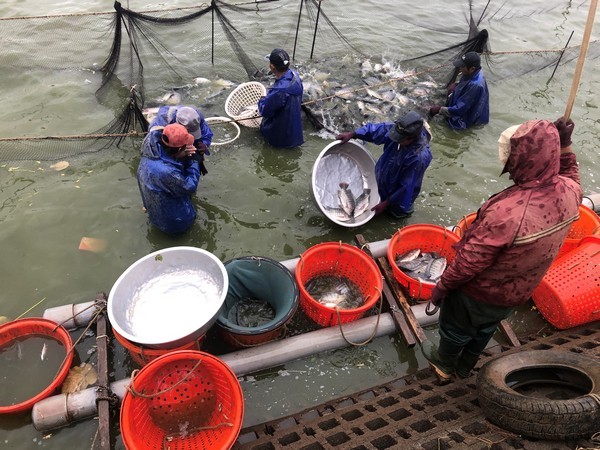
[541,418]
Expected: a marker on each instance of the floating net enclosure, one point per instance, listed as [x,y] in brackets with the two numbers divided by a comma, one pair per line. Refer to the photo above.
[118,64]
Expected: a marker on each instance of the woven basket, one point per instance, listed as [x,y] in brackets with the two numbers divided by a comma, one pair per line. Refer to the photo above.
[243,102]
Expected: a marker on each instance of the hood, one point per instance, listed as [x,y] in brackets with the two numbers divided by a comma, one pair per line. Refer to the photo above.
[289,83]
[534,153]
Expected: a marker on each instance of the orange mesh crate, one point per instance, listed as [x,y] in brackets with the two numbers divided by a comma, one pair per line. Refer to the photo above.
[569,293]
[588,224]
[427,238]
[343,260]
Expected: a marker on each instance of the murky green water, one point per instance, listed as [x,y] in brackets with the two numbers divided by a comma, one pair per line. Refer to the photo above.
[256,200]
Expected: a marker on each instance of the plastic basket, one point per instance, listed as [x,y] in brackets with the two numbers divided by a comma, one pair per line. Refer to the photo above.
[569,293]
[143,355]
[588,224]
[242,97]
[183,400]
[33,326]
[335,258]
[427,238]
[264,279]
[463,224]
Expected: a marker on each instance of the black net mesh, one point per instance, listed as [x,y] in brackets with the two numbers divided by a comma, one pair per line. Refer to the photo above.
[123,63]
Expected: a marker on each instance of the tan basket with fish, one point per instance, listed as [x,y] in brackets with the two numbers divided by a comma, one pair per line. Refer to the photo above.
[243,103]
[426,238]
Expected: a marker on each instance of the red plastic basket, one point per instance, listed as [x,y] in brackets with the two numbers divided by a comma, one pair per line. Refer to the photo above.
[143,355]
[427,238]
[588,224]
[463,224]
[184,400]
[569,294]
[336,258]
[34,326]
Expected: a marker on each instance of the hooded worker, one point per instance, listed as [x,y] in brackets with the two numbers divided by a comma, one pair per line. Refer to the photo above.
[506,251]
[168,176]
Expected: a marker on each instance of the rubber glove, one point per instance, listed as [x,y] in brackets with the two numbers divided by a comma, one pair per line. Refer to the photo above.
[345,137]
[380,207]
[438,294]
[565,130]
[434,110]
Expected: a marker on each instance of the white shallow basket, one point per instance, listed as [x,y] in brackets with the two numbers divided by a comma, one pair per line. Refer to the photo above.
[222,123]
[351,163]
[243,102]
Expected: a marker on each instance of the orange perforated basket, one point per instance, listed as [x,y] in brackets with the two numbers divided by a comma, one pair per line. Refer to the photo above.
[463,224]
[343,260]
[184,400]
[588,224]
[427,238]
[569,293]
[143,355]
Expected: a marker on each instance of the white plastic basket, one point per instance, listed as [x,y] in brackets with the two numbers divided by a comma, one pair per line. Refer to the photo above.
[222,123]
[243,102]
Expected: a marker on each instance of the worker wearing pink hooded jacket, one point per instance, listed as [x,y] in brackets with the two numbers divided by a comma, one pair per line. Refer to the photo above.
[507,250]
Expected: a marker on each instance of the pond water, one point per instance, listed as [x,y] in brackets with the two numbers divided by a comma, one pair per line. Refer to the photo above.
[256,200]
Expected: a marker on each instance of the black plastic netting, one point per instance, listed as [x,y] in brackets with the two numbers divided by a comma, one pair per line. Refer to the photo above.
[118,65]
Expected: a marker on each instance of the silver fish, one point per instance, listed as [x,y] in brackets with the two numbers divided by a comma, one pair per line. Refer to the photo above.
[347,200]
[362,202]
[408,256]
[43,354]
[338,214]
[436,268]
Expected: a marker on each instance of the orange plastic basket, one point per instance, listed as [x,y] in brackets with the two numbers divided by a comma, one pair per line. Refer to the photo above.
[336,258]
[427,238]
[463,224]
[588,224]
[34,326]
[569,294]
[184,400]
[143,355]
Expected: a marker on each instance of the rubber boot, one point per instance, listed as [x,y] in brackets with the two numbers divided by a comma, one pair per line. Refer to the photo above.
[465,364]
[442,363]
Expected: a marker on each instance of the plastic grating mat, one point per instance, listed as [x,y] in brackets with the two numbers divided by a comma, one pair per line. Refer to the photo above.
[415,412]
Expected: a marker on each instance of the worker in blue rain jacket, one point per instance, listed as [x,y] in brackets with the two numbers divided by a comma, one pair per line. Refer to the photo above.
[193,120]
[400,169]
[168,176]
[280,109]
[469,100]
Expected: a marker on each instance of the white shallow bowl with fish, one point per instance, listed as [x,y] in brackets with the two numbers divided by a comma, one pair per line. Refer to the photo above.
[168,298]
[344,185]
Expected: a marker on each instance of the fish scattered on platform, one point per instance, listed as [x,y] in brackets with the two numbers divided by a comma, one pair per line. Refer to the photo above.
[427,266]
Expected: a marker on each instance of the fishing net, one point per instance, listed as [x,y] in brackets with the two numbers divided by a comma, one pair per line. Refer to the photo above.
[116,66]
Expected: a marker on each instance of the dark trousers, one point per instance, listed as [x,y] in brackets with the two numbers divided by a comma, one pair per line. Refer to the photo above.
[467,325]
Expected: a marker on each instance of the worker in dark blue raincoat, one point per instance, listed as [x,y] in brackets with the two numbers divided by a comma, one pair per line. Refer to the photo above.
[168,176]
[280,109]
[469,100]
[193,120]
[400,169]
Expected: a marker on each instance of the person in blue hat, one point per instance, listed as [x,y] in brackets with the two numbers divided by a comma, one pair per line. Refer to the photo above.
[468,101]
[400,169]
[280,109]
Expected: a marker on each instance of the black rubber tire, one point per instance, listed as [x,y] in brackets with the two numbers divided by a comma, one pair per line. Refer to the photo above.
[533,417]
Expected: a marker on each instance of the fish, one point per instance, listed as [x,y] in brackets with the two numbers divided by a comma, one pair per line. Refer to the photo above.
[410,255]
[427,266]
[436,268]
[171,98]
[362,202]
[44,349]
[347,200]
[338,214]
[201,80]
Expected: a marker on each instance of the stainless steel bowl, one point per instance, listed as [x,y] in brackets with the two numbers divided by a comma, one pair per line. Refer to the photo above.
[168,298]
[352,163]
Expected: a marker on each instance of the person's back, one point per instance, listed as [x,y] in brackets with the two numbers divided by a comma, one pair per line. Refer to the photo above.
[281,109]
[166,185]
[469,104]
[522,228]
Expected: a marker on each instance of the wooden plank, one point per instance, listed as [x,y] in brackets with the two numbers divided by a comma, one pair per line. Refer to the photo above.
[400,320]
[103,400]
[509,333]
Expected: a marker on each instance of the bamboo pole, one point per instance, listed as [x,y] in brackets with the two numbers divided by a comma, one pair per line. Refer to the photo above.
[582,53]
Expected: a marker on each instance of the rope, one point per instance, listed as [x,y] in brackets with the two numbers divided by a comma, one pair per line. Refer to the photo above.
[131,389]
[595,397]
[370,338]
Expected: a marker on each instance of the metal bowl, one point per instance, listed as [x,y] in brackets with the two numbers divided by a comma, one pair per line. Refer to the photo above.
[351,163]
[168,298]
